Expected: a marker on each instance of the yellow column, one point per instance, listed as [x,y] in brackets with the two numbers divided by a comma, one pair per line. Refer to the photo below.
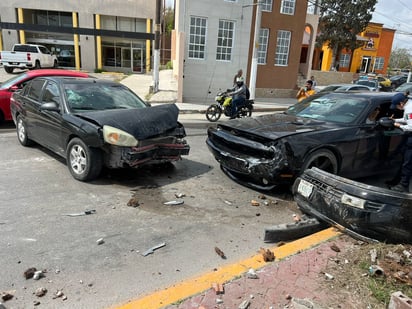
[21,20]
[148,45]
[76,42]
[98,44]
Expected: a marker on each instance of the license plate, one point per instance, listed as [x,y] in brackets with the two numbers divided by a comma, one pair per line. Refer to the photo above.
[305,188]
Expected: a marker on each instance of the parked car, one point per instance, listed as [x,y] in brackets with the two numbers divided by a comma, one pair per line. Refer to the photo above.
[27,56]
[362,210]
[398,80]
[404,87]
[372,83]
[94,123]
[345,87]
[17,82]
[332,131]
[66,58]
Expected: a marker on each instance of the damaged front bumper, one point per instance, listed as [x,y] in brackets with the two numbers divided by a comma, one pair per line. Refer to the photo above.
[360,210]
[159,150]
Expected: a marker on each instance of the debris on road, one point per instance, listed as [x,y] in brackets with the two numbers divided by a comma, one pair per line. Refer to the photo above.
[251,274]
[376,270]
[40,292]
[37,275]
[100,241]
[58,294]
[84,213]
[175,202]
[220,253]
[29,273]
[329,276]
[268,256]
[244,305]
[133,202]
[7,295]
[152,250]
[219,288]
[296,218]
[254,203]
[180,195]
[335,248]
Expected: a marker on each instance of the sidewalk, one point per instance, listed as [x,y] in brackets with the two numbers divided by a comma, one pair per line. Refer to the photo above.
[141,83]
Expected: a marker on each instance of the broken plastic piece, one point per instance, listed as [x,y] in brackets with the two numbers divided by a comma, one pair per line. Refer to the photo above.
[176,202]
[151,250]
[86,212]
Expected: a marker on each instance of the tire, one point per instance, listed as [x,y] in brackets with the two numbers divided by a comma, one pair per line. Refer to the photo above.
[245,111]
[55,64]
[323,159]
[213,113]
[37,65]
[84,163]
[8,69]
[22,132]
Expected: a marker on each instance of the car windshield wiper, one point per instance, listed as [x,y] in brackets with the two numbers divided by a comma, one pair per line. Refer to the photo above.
[85,108]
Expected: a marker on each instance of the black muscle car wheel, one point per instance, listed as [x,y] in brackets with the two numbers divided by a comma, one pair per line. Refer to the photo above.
[85,163]
[323,159]
[22,132]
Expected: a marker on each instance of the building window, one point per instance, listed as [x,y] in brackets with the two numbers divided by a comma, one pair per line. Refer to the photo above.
[266,5]
[225,40]
[263,45]
[197,37]
[287,7]
[344,60]
[282,48]
[379,62]
[122,23]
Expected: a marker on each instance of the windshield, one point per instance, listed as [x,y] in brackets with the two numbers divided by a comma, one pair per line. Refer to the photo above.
[368,83]
[96,96]
[330,108]
[13,81]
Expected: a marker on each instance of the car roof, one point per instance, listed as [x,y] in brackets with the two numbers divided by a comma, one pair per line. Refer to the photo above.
[56,72]
[78,80]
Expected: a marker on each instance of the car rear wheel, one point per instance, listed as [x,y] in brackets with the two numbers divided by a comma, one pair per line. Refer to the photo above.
[85,163]
[22,132]
[323,159]
[8,69]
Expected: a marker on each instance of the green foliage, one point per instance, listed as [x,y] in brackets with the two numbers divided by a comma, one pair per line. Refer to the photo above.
[341,20]
[168,20]
[98,70]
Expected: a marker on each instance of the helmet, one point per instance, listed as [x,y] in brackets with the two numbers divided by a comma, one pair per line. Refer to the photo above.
[239,81]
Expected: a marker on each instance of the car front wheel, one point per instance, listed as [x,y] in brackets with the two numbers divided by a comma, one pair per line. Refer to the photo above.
[323,159]
[22,132]
[85,163]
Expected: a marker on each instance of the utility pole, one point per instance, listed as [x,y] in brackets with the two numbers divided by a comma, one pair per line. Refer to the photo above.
[156,55]
[254,64]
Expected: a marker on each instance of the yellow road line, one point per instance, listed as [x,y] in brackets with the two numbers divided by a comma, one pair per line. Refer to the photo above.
[199,284]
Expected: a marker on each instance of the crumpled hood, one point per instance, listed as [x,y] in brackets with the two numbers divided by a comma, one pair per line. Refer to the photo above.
[274,126]
[141,123]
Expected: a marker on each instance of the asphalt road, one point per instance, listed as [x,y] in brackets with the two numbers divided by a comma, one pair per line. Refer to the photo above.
[38,193]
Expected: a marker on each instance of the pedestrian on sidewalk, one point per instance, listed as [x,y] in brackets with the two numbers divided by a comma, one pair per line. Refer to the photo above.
[238,74]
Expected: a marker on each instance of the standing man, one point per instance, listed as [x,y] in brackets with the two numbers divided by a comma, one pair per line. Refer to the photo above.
[238,74]
[405,124]
[305,92]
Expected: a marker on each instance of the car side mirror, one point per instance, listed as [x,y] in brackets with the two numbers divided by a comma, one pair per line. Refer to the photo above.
[386,122]
[50,106]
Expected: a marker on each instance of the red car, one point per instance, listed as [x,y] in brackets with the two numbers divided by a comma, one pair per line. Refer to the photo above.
[17,82]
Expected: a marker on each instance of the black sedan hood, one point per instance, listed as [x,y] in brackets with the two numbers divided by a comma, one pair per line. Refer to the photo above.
[141,123]
[274,126]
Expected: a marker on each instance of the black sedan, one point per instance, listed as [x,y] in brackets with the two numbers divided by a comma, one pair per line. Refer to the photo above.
[336,132]
[95,123]
[362,210]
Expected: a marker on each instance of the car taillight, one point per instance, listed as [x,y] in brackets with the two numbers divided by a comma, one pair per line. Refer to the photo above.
[28,56]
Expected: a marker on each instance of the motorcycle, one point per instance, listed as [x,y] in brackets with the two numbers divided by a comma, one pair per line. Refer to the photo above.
[223,106]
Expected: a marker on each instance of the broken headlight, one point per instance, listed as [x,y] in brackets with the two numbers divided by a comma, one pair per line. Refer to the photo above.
[118,137]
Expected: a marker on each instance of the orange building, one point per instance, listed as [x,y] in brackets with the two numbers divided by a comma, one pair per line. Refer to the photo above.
[372,56]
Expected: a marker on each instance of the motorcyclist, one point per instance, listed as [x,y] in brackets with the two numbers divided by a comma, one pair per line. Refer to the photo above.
[238,94]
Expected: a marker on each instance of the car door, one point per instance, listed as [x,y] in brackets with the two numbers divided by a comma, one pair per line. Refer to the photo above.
[51,123]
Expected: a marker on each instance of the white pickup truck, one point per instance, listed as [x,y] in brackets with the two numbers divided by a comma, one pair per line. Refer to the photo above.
[27,56]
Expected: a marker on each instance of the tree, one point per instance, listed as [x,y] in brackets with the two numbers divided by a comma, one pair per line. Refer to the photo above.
[400,58]
[340,21]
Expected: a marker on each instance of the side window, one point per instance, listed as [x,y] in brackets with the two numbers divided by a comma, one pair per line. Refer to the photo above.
[35,89]
[51,93]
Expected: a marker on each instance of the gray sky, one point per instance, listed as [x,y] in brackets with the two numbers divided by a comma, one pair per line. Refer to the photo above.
[396,14]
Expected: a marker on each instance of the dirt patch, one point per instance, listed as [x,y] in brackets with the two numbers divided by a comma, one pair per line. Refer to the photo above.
[369,273]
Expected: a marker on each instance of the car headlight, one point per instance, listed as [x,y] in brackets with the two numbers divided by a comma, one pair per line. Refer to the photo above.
[118,137]
[353,201]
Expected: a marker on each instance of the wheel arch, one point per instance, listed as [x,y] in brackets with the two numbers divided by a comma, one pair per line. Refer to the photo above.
[330,148]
